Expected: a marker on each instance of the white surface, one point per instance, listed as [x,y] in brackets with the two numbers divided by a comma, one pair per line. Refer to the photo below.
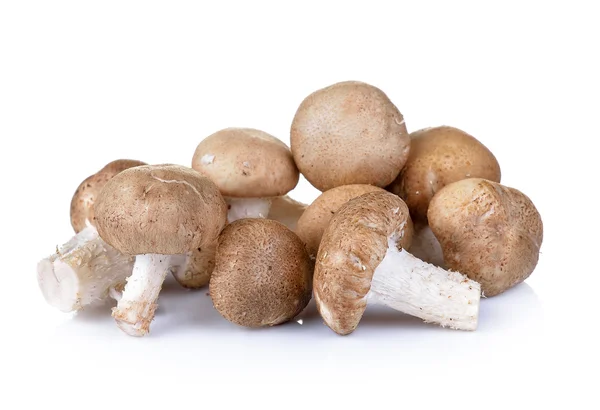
[84,83]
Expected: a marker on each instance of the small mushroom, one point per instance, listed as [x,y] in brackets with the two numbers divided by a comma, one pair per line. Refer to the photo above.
[154,212]
[349,133]
[249,167]
[361,261]
[488,231]
[263,274]
[440,156]
[287,211]
[193,269]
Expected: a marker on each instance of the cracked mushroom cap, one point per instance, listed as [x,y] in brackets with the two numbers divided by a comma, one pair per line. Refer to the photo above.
[440,156]
[349,133]
[82,203]
[262,275]
[353,245]
[160,209]
[246,163]
[490,232]
[316,217]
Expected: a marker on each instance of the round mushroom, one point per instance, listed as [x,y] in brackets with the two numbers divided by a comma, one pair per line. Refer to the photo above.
[82,203]
[488,231]
[440,156]
[361,261]
[249,167]
[315,219]
[153,212]
[349,133]
[263,274]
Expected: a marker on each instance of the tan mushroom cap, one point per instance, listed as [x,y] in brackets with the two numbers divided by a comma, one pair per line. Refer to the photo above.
[198,268]
[489,232]
[160,209]
[246,163]
[353,245]
[440,156]
[349,133]
[317,216]
[262,275]
[82,203]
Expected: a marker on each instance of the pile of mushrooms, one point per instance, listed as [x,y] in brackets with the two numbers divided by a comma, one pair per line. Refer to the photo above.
[419,222]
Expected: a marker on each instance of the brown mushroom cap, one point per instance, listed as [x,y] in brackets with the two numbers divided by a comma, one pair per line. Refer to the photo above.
[349,133]
[440,156]
[262,275]
[353,245]
[489,232]
[159,209]
[82,203]
[245,162]
[316,217]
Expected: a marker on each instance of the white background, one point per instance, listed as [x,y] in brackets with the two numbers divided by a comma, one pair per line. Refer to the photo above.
[83,83]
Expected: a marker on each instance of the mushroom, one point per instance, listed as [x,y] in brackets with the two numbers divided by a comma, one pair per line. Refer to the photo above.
[263,274]
[249,166]
[153,212]
[362,260]
[193,270]
[439,156]
[287,211]
[315,219]
[490,232]
[425,245]
[349,133]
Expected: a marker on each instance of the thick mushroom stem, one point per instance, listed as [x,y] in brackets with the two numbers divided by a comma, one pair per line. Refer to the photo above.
[135,310]
[83,271]
[240,208]
[407,284]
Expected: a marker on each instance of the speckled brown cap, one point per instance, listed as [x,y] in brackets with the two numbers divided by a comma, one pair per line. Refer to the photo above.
[159,209]
[439,156]
[82,203]
[262,275]
[353,245]
[489,232]
[315,219]
[246,162]
[349,133]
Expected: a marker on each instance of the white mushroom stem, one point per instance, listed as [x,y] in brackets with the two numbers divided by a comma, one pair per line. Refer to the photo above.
[407,284]
[240,208]
[83,271]
[135,310]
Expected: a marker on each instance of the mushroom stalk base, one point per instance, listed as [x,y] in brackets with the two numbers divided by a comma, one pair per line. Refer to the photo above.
[241,208]
[135,309]
[407,284]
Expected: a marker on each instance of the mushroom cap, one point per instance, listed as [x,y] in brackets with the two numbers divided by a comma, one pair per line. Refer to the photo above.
[490,232]
[263,274]
[440,156]
[159,209]
[353,245]
[317,215]
[245,162]
[200,265]
[82,203]
[349,133]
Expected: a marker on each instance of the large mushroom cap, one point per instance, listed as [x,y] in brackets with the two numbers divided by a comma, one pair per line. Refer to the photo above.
[82,203]
[349,133]
[353,245]
[159,209]
[245,162]
[440,156]
[262,275]
[490,232]
[317,215]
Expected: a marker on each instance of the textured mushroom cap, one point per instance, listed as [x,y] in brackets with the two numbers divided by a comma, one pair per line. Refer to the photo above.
[262,275]
[287,211]
[316,217]
[245,162]
[349,133]
[353,245]
[82,203]
[489,232]
[440,156]
[160,209]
